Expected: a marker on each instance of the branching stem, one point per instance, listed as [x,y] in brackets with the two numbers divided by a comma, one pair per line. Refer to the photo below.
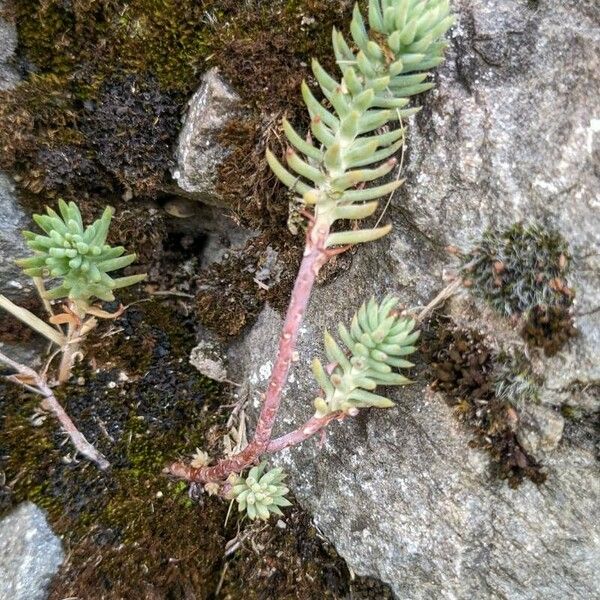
[315,256]
[70,352]
[51,404]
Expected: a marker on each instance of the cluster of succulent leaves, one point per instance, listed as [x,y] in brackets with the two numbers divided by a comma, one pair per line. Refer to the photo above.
[519,268]
[261,494]
[389,65]
[377,341]
[76,255]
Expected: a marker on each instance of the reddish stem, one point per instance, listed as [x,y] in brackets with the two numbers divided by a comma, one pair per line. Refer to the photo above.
[315,256]
[312,426]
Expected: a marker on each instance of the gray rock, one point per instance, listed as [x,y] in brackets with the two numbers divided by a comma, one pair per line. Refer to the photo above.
[511,133]
[12,245]
[208,358]
[540,429]
[198,152]
[30,554]
[8,44]
[12,217]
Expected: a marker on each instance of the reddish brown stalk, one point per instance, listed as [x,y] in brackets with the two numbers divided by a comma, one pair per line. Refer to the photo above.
[312,426]
[315,256]
[35,382]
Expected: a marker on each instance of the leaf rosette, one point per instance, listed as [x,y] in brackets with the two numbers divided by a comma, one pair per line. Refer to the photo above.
[77,256]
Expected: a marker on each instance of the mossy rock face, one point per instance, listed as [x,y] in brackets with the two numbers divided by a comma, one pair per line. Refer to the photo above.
[143,407]
[96,117]
[131,532]
[83,54]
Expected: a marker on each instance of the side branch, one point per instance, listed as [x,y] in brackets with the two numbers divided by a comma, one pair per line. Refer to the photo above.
[315,256]
[310,428]
[51,404]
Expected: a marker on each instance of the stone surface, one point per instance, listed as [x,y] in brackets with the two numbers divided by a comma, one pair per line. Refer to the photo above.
[540,429]
[198,152]
[12,217]
[12,245]
[511,133]
[8,43]
[207,357]
[30,554]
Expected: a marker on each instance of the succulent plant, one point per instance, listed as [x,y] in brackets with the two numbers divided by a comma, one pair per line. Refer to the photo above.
[377,340]
[77,255]
[390,65]
[261,494]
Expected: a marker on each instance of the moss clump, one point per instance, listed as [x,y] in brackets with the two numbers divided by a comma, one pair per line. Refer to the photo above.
[67,167]
[231,295]
[549,328]
[267,68]
[522,271]
[109,80]
[245,182]
[265,49]
[463,367]
[131,127]
[519,268]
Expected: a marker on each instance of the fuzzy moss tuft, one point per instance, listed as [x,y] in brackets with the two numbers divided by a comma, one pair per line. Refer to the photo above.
[519,268]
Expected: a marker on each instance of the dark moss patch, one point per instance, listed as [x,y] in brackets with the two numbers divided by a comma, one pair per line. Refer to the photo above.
[67,167]
[123,538]
[131,127]
[130,532]
[107,83]
[229,294]
[463,368]
[549,328]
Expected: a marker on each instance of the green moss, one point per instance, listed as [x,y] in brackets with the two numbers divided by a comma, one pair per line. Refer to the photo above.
[131,532]
[79,47]
[130,516]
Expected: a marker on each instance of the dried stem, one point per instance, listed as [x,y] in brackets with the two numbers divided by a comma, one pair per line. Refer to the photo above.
[70,352]
[51,404]
[315,256]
